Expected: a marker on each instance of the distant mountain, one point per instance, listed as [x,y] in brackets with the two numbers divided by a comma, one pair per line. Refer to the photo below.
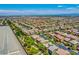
[74,14]
[67,14]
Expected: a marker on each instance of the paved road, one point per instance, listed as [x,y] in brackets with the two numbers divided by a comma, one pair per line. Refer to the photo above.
[8,42]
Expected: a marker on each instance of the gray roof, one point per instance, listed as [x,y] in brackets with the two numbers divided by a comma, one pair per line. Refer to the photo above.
[74,42]
[53,47]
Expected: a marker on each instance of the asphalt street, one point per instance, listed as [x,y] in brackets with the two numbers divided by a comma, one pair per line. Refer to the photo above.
[8,42]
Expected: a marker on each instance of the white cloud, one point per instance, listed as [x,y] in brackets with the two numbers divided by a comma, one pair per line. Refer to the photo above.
[71,8]
[59,6]
[77,6]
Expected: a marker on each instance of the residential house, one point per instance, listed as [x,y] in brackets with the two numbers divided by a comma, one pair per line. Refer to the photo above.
[62,52]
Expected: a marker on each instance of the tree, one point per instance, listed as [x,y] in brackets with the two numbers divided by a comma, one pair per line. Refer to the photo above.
[29,41]
[73,53]
[74,47]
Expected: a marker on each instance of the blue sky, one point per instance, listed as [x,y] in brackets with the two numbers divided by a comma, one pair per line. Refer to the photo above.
[38,9]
